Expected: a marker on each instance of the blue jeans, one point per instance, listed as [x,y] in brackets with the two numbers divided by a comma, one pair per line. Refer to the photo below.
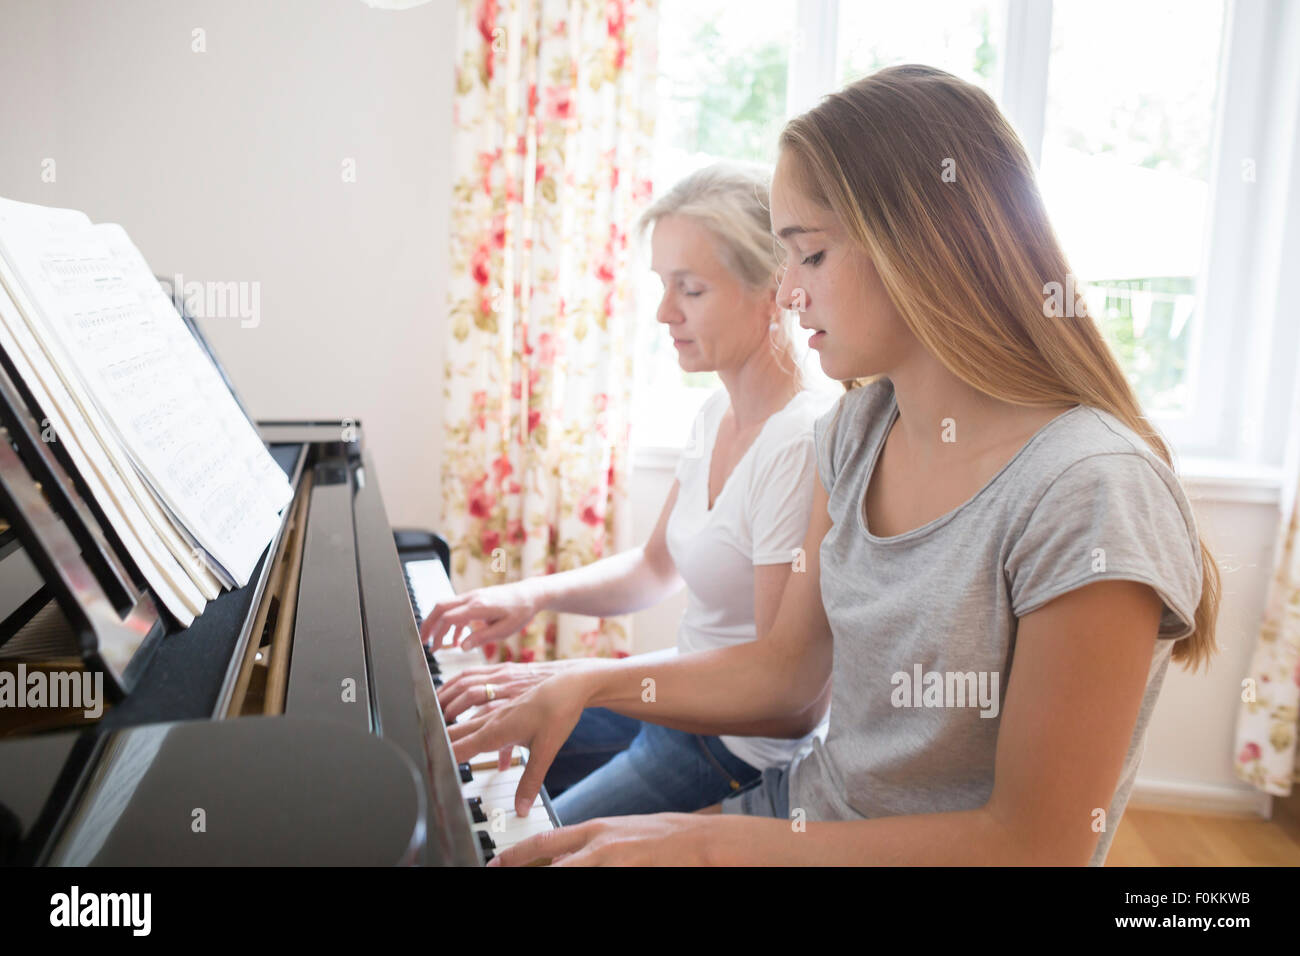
[613,765]
[770,797]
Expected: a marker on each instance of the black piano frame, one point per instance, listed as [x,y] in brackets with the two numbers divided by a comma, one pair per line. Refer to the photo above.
[190,673]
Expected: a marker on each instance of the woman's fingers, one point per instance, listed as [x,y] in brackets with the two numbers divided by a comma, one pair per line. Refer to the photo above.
[499,624]
[497,629]
[466,729]
[541,753]
[453,707]
[472,695]
[451,614]
[476,695]
[484,733]
[545,847]
[496,674]
[478,636]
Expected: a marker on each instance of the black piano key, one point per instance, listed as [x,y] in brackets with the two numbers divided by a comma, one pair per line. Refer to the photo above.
[485,840]
[466,774]
[476,810]
[410,590]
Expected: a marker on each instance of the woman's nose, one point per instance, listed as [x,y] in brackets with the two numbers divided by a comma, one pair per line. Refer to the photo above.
[785,289]
[668,311]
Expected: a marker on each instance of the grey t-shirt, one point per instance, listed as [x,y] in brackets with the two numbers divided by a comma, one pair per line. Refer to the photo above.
[924,623]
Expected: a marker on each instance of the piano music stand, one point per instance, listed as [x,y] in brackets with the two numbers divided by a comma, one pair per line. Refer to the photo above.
[65,534]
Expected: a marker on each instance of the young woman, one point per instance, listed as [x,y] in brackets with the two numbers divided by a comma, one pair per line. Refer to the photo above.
[729,529]
[1001,562]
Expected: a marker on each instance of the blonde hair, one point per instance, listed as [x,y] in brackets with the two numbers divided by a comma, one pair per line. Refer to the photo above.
[731,201]
[967,261]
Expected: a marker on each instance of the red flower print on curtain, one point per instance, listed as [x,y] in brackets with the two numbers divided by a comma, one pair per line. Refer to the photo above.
[552,131]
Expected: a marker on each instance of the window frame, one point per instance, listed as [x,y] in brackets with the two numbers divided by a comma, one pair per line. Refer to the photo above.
[1227,350]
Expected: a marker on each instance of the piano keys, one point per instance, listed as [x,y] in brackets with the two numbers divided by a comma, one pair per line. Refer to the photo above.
[490,796]
[490,793]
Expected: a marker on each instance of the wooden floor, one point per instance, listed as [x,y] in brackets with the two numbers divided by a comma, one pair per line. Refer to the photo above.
[1161,838]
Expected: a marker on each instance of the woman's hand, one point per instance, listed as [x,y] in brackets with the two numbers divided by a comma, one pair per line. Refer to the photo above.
[500,610]
[660,839]
[469,688]
[540,719]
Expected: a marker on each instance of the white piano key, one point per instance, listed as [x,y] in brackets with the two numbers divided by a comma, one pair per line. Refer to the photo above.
[506,827]
[429,584]
[515,830]
[453,660]
[496,789]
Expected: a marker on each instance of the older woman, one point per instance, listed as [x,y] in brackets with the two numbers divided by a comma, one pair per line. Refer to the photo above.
[729,530]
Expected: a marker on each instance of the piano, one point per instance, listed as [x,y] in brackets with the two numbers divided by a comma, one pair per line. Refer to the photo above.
[295,722]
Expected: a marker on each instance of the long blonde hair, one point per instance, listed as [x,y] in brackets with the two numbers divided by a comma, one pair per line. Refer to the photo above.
[930,179]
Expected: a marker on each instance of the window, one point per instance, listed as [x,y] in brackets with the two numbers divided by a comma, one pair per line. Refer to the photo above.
[962,38]
[723,72]
[1129,144]
[1139,116]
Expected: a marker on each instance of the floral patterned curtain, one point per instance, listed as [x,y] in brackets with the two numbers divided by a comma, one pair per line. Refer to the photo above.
[552,132]
[1270,709]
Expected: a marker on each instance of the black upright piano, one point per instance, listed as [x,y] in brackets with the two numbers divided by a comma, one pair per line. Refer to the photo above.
[294,722]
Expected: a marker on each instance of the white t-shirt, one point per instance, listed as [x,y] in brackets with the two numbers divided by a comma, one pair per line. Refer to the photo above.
[760,517]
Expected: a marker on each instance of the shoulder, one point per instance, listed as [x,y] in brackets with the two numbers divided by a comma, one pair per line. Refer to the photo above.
[785,447]
[855,408]
[850,426]
[795,422]
[1091,500]
[1088,446]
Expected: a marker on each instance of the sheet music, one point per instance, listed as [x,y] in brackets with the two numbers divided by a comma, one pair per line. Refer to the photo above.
[139,536]
[77,422]
[120,347]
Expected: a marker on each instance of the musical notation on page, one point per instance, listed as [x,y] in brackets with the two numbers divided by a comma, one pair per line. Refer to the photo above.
[136,373]
[135,516]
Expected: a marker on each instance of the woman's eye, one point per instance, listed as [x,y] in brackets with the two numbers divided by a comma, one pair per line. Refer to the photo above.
[814,259]
[693,293]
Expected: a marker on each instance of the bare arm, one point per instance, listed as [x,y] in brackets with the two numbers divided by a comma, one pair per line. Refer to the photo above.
[620,584]
[1080,670]
[775,686]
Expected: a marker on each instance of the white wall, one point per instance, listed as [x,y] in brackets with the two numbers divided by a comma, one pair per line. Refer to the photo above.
[1190,740]
[226,165]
